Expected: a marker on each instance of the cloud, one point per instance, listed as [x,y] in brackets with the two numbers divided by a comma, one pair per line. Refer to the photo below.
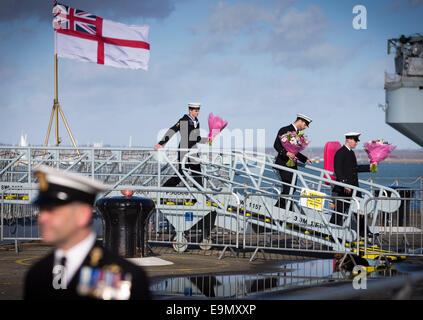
[416,3]
[294,38]
[11,10]
[397,5]
[298,40]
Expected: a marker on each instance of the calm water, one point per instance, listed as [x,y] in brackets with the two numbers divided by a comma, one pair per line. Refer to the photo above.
[405,173]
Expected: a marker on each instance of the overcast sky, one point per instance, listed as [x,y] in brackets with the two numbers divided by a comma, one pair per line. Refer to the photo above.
[254,63]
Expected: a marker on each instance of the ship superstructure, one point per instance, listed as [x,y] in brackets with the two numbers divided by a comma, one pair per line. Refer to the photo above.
[404,89]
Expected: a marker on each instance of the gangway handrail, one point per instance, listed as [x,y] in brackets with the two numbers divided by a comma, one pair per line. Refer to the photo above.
[275,166]
[263,163]
[328,173]
[339,247]
[243,157]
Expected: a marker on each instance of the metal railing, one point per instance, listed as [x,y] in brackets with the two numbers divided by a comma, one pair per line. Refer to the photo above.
[201,218]
[215,219]
[399,232]
[305,227]
[18,217]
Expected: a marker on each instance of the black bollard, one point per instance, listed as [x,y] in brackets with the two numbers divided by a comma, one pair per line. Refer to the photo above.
[124,222]
[143,218]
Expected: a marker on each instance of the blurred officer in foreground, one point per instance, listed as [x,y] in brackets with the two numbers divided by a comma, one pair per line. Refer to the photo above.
[77,268]
[189,128]
[301,123]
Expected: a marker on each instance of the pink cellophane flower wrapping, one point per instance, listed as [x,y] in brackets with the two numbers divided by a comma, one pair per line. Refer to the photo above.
[294,143]
[216,125]
[377,152]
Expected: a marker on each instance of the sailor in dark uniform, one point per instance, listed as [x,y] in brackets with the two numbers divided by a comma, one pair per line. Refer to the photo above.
[78,268]
[301,123]
[346,171]
[189,128]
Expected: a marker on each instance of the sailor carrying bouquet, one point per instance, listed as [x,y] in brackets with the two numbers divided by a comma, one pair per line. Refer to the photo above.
[287,156]
[189,128]
[346,171]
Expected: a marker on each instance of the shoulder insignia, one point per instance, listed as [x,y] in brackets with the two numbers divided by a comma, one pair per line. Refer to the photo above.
[95,256]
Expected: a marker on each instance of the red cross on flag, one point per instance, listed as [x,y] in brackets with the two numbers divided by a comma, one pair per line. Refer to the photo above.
[83,36]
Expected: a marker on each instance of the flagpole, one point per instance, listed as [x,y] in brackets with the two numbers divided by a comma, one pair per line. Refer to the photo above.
[59,109]
[56,100]
[56,107]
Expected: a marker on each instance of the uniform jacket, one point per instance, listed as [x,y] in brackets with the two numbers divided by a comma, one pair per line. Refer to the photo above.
[39,279]
[190,135]
[346,168]
[282,158]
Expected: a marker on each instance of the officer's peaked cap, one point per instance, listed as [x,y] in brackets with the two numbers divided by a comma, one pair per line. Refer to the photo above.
[58,187]
[353,135]
[305,118]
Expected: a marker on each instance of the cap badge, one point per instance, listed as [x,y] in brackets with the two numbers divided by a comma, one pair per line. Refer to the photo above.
[42,181]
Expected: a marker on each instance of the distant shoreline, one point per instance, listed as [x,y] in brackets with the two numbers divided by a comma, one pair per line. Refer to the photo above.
[400,160]
[315,153]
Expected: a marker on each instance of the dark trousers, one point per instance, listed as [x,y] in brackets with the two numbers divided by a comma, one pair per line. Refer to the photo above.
[342,206]
[174,181]
[285,177]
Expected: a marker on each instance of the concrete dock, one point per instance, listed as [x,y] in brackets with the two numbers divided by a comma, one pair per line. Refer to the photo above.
[14,265]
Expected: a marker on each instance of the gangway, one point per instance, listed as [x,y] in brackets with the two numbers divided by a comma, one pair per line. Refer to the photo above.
[251,177]
[238,193]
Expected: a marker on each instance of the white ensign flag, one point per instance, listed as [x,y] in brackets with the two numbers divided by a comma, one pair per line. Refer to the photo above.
[86,37]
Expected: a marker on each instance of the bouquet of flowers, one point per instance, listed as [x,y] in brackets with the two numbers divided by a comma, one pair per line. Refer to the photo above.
[293,142]
[216,125]
[377,150]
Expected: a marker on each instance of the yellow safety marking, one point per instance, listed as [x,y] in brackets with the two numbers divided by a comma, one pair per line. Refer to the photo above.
[184,269]
[374,252]
[21,261]
[368,269]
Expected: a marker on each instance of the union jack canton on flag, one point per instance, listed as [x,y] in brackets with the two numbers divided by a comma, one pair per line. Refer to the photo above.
[61,20]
